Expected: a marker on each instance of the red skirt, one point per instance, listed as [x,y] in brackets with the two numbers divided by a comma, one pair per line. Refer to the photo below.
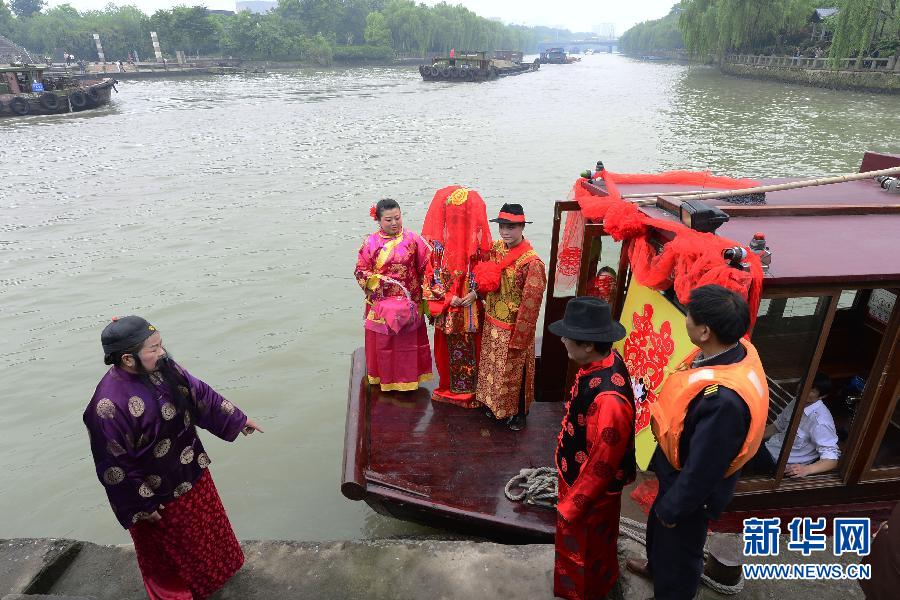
[587,561]
[192,551]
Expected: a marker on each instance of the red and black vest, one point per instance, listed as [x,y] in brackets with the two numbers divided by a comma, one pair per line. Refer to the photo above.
[573,449]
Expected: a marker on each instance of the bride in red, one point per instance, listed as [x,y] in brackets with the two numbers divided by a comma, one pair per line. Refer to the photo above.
[457,228]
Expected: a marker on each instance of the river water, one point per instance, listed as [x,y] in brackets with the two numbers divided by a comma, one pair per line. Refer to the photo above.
[229,210]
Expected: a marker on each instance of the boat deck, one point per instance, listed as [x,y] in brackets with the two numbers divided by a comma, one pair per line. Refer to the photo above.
[446,466]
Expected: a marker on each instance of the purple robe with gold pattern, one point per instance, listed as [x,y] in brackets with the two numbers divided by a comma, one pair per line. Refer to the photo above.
[146,451]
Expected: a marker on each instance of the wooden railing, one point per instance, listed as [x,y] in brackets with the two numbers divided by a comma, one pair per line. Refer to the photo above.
[890,64]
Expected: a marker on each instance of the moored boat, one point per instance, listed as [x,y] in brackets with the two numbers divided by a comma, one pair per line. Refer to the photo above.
[24,90]
[827,302]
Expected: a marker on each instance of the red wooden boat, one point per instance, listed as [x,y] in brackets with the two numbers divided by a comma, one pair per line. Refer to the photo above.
[829,304]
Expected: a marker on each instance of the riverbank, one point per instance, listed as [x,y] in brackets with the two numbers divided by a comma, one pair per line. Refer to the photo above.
[885,82]
[394,569]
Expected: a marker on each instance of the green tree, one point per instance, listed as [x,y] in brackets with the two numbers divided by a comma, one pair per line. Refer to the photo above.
[859,24]
[5,19]
[27,8]
[722,26]
[377,32]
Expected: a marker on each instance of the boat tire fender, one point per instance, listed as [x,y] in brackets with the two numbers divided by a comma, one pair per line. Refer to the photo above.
[49,100]
[19,106]
[470,75]
[78,99]
[434,71]
[93,95]
[445,73]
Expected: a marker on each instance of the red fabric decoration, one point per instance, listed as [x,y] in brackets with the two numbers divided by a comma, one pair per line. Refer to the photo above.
[701,179]
[692,258]
[461,228]
[487,276]
[373,212]
[568,261]
[624,221]
[645,494]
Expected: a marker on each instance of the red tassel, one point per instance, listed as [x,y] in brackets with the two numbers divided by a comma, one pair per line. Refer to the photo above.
[487,276]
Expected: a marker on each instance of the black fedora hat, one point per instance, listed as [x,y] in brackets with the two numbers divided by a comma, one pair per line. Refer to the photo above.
[588,319]
[511,214]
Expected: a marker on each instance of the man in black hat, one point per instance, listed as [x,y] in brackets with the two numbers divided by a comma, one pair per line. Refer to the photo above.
[595,452]
[512,283]
[142,426]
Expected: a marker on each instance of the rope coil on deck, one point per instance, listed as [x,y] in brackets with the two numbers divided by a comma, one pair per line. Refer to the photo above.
[540,486]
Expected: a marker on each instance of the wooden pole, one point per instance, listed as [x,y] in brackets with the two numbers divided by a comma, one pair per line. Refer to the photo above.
[793,185]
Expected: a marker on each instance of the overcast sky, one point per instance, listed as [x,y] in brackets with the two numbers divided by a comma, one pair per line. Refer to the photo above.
[576,15]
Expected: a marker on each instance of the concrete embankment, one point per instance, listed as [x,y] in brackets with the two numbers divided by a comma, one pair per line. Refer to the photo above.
[394,569]
[870,81]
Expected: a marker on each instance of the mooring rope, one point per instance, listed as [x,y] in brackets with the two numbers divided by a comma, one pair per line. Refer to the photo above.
[540,486]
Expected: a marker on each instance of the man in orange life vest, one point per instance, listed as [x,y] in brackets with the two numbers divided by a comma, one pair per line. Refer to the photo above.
[709,421]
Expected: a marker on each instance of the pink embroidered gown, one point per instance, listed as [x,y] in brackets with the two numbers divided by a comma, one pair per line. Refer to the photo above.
[390,269]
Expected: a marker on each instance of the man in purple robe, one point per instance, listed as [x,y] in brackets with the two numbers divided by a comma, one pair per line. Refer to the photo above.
[142,425]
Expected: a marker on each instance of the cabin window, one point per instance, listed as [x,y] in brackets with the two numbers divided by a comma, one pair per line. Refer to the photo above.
[888,454]
[848,299]
[786,334]
[577,238]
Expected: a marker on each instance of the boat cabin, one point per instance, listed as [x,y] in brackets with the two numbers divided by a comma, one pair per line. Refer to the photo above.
[510,55]
[463,61]
[554,56]
[18,80]
[829,305]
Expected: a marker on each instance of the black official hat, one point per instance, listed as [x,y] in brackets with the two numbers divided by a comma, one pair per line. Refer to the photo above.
[511,214]
[123,333]
[588,319]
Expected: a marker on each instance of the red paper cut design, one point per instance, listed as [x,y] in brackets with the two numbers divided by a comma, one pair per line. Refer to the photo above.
[646,353]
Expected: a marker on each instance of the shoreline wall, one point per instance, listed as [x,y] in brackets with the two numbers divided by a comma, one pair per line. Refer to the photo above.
[884,82]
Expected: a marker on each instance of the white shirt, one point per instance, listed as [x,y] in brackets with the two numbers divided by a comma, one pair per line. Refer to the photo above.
[816,436]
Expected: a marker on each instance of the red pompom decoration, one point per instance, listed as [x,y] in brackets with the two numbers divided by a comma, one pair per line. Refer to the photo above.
[373,213]
[487,276]
[624,221]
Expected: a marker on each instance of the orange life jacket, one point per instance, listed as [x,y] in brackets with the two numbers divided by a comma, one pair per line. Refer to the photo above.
[746,378]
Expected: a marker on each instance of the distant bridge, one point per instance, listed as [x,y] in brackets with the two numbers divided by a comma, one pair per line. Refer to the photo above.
[603,45]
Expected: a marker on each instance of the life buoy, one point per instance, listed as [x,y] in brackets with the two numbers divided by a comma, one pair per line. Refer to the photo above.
[19,106]
[49,100]
[93,95]
[78,99]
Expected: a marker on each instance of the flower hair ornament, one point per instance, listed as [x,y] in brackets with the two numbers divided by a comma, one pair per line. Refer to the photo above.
[373,212]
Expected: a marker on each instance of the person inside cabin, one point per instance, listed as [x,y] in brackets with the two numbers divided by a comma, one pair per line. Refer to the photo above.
[142,423]
[511,281]
[457,228]
[603,286]
[708,421]
[594,453]
[390,269]
[815,448]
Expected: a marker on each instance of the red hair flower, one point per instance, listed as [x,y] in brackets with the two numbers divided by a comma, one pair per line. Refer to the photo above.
[373,213]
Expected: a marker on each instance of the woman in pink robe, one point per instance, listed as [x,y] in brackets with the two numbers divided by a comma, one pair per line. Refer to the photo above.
[390,269]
